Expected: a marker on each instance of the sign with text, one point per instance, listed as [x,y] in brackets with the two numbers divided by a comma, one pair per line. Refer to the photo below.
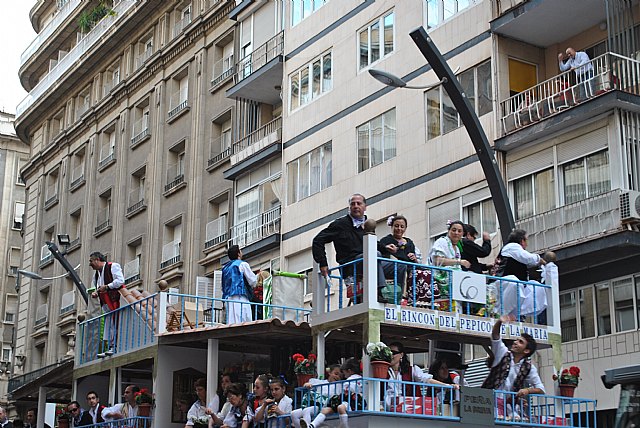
[476,406]
[469,287]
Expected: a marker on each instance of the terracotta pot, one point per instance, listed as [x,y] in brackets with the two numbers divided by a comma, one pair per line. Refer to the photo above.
[303,378]
[380,369]
[144,410]
[63,423]
[567,390]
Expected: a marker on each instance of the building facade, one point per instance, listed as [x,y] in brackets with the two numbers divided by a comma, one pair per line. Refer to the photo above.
[160,134]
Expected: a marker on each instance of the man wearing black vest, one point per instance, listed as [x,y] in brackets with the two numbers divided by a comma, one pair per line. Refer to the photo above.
[107,281]
[511,369]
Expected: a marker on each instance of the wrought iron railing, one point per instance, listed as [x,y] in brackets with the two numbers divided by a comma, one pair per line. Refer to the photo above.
[274,127]
[256,228]
[259,57]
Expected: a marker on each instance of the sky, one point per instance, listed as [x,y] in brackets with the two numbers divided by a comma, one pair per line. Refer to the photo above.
[16,33]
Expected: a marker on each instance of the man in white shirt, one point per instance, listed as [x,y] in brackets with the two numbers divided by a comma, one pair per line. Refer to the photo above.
[95,409]
[581,64]
[238,281]
[128,409]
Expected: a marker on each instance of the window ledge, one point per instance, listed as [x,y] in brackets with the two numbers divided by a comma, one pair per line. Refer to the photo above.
[136,209]
[52,201]
[106,163]
[177,112]
[77,183]
[174,187]
[140,138]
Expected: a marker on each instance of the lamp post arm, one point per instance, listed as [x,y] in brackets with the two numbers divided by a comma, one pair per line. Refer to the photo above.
[53,248]
[471,122]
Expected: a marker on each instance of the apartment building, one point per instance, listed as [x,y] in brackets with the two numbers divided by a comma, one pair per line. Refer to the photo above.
[161,133]
[13,154]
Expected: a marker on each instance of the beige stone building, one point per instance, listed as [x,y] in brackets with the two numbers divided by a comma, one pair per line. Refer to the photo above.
[165,130]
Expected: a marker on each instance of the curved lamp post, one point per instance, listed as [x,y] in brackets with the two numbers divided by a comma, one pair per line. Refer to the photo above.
[33,275]
[469,119]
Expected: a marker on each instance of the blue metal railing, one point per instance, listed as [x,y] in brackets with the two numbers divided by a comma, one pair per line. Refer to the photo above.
[137,422]
[125,329]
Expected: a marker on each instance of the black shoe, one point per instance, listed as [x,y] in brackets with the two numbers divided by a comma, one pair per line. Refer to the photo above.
[381,298]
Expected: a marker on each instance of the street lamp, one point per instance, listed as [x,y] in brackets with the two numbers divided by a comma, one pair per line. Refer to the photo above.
[470,120]
[396,82]
[33,275]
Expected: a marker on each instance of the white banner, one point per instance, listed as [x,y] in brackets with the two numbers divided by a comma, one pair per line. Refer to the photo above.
[469,287]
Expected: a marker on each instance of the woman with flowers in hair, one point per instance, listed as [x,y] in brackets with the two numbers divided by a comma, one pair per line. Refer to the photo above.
[447,252]
[402,248]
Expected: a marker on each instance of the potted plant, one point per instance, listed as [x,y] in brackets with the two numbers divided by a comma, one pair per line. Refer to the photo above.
[568,381]
[380,356]
[62,417]
[89,18]
[144,400]
[304,368]
[200,422]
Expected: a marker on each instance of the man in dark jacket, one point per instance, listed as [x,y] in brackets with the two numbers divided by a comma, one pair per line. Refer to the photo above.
[471,251]
[347,234]
[79,417]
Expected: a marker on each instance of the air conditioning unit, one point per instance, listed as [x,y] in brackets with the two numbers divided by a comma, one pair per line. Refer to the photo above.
[630,206]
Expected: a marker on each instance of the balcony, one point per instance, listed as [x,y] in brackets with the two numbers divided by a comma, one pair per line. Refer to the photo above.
[258,76]
[103,222]
[68,303]
[262,144]
[136,201]
[170,254]
[107,160]
[76,55]
[175,177]
[181,25]
[216,232]
[218,151]
[43,37]
[178,104]
[42,315]
[256,228]
[222,70]
[143,57]
[141,131]
[45,255]
[132,271]
[559,102]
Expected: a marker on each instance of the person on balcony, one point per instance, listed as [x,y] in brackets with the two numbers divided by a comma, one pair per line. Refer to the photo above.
[200,410]
[278,404]
[406,251]
[346,234]
[107,282]
[580,63]
[31,420]
[318,397]
[511,369]
[238,281]
[241,414]
[402,371]
[128,409]
[95,408]
[472,251]
[79,417]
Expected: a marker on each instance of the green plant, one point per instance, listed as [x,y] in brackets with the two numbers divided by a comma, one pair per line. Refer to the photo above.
[570,376]
[89,18]
[304,365]
[144,397]
[379,352]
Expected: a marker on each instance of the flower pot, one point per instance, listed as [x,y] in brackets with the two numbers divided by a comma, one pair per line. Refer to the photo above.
[303,378]
[144,410]
[567,390]
[380,369]
[63,423]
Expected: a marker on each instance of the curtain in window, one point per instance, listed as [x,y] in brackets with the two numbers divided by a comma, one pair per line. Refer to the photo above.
[545,193]
[599,180]
[523,197]
[389,134]
[376,138]
[574,188]
[363,147]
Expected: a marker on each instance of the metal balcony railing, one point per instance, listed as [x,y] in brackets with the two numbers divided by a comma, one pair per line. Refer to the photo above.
[177,103]
[579,221]
[259,57]
[273,127]
[62,14]
[219,150]
[222,69]
[143,57]
[170,253]
[216,232]
[140,130]
[181,24]
[610,72]
[68,303]
[132,271]
[103,222]
[136,198]
[106,159]
[256,228]
[19,381]
[76,54]
[175,175]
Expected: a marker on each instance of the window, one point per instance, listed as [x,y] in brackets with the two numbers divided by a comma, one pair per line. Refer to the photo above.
[440,10]
[376,41]
[75,228]
[586,177]
[52,188]
[131,269]
[145,49]
[377,140]
[179,86]
[623,304]
[107,146]
[175,166]
[141,129]
[183,18]
[223,67]
[6,354]
[111,78]
[310,81]
[18,215]
[57,124]
[83,102]
[14,260]
[10,308]
[442,116]
[309,174]
[136,192]
[19,179]
[300,9]
[220,146]
[77,168]
[103,218]
[482,215]
[534,194]
[568,316]
[217,226]
[172,240]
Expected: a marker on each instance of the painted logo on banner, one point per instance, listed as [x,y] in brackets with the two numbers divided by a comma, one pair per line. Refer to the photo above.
[469,287]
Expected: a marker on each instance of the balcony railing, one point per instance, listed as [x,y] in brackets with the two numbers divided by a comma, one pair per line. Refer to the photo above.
[68,303]
[181,24]
[19,381]
[140,130]
[218,151]
[273,127]
[175,175]
[82,109]
[177,103]
[128,328]
[610,71]
[589,218]
[136,199]
[106,159]
[42,314]
[132,271]
[259,57]
[138,422]
[103,222]
[143,57]
[216,232]
[222,69]
[170,253]
[45,255]
[62,14]
[76,55]
[256,228]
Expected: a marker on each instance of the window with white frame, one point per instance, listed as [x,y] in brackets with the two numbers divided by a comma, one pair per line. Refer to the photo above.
[103,215]
[310,81]
[220,145]
[57,124]
[183,18]
[442,116]
[137,190]
[77,167]
[18,215]
[75,227]
[83,102]
[14,260]
[377,140]
[52,186]
[19,179]
[481,215]
[145,49]
[141,125]
[586,177]
[111,78]
[534,194]
[223,65]
[179,86]
[217,227]
[175,165]
[131,269]
[10,308]
[376,40]
[309,174]
[438,11]
[172,242]
[300,9]
[107,145]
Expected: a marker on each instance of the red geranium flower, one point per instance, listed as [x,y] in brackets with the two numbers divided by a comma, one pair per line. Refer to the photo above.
[574,371]
[312,357]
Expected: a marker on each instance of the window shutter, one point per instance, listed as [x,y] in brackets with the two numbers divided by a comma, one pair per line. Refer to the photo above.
[439,214]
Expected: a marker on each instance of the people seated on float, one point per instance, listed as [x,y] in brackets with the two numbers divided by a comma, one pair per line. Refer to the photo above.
[402,249]
[240,414]
[200,410]
[348,399]
[225,381]
[472,251]
[318,397]
[261,391]
[278,404]
[402,370]
[439,369]
[513,263]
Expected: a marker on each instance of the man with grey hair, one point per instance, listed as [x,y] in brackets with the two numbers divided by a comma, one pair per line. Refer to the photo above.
[346,234]
[4,422]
